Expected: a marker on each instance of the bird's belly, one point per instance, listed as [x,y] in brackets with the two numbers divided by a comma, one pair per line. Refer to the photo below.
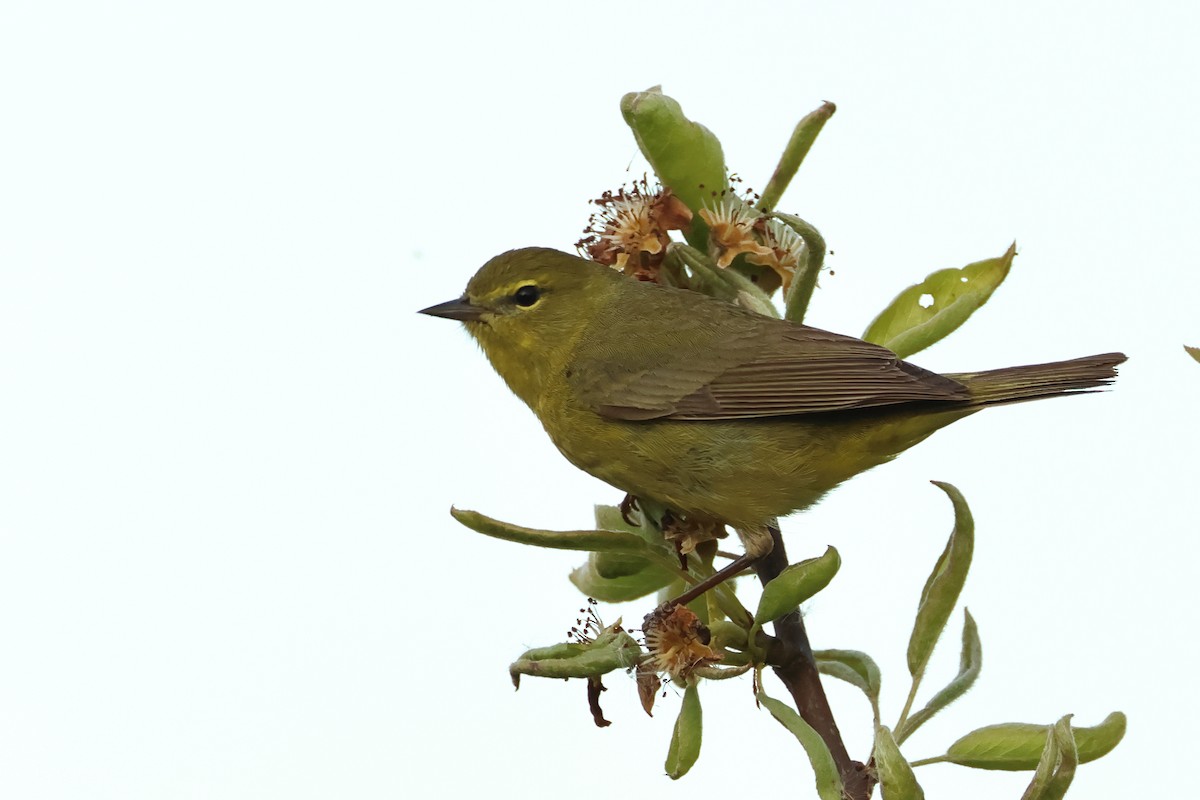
[740,472]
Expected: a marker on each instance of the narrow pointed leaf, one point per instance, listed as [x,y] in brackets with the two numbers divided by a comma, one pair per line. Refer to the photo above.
[1194,352]
[1019,745]
[1047,764]
[1068,758]
[598,541]
[829,782]
[685,155]
[685,739]
[611,650]
[852,667]
[969,662]
[796,584]
[619,577]
[896,778]
[944,584]
[930,310]
[797,148]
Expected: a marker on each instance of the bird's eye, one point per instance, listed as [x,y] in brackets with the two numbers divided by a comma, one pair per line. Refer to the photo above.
[526,295]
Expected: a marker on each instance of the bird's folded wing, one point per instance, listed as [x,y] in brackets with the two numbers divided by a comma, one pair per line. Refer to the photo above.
[741,366]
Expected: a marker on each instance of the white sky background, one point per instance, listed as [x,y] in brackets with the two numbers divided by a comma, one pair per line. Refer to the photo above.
[228,444]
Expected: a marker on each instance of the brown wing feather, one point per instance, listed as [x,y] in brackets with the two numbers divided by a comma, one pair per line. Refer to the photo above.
[722,362]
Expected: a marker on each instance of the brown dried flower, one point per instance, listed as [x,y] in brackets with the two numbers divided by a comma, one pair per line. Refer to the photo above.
[632,229]
[678,642]
[731,231]
[785,249]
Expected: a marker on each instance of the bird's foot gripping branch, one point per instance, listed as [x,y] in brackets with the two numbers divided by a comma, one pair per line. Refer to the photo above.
[672,362]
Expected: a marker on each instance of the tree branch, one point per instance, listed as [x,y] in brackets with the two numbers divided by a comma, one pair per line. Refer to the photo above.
[797,669]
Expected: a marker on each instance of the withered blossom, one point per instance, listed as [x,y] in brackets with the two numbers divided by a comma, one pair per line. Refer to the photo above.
[686,533]
[785,247]
[678,643]
[632,229]
[731,231]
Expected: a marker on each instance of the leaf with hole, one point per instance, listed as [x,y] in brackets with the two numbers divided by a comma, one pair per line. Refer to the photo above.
[934,308]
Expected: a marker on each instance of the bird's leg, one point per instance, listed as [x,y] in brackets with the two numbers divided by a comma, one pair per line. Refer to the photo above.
[758,543]
[628,506]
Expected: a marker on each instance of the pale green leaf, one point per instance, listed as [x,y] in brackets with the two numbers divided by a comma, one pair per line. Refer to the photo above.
[1194,352]
[969,662]
[930,310]
[943,585]
[1019,745]
[611,650]
[794,152]
[685,155]
[597,541]
[685,739]
[829,782]
[896,778]
[619,577]
[852,667]
[796,584]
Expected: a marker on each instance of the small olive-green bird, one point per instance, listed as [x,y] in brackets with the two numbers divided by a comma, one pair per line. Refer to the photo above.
[712,410]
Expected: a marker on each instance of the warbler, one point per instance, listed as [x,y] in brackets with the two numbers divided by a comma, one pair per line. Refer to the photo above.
[714,411]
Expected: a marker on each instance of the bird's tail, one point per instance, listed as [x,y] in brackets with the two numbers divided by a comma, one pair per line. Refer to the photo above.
[1035,381]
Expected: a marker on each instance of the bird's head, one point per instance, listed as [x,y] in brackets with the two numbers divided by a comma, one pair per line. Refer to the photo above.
[527,308]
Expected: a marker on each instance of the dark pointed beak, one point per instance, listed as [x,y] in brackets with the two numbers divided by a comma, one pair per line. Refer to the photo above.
[460,309]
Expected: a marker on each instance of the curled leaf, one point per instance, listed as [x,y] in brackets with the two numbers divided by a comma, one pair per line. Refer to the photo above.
[619,577]
[685,738]
[597,541]
[969,663]
[943,585]
[612,649]
[896,778]
[803,136]
[796,584]
[1019,745]
[829,782]
[1056,769]
[931,310]
[685,155]
[853,667]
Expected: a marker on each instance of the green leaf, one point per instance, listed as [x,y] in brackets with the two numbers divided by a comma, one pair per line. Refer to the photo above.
[896,778]
[597,541]
[685,739]
[852,667]
[612,649]
[1056,769]
[943,586]
[1194,352]
[969,663]
[618,577]
[685,155]
[796,584]
[829,782]
[797,148]
[1019,745]
[931,310]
